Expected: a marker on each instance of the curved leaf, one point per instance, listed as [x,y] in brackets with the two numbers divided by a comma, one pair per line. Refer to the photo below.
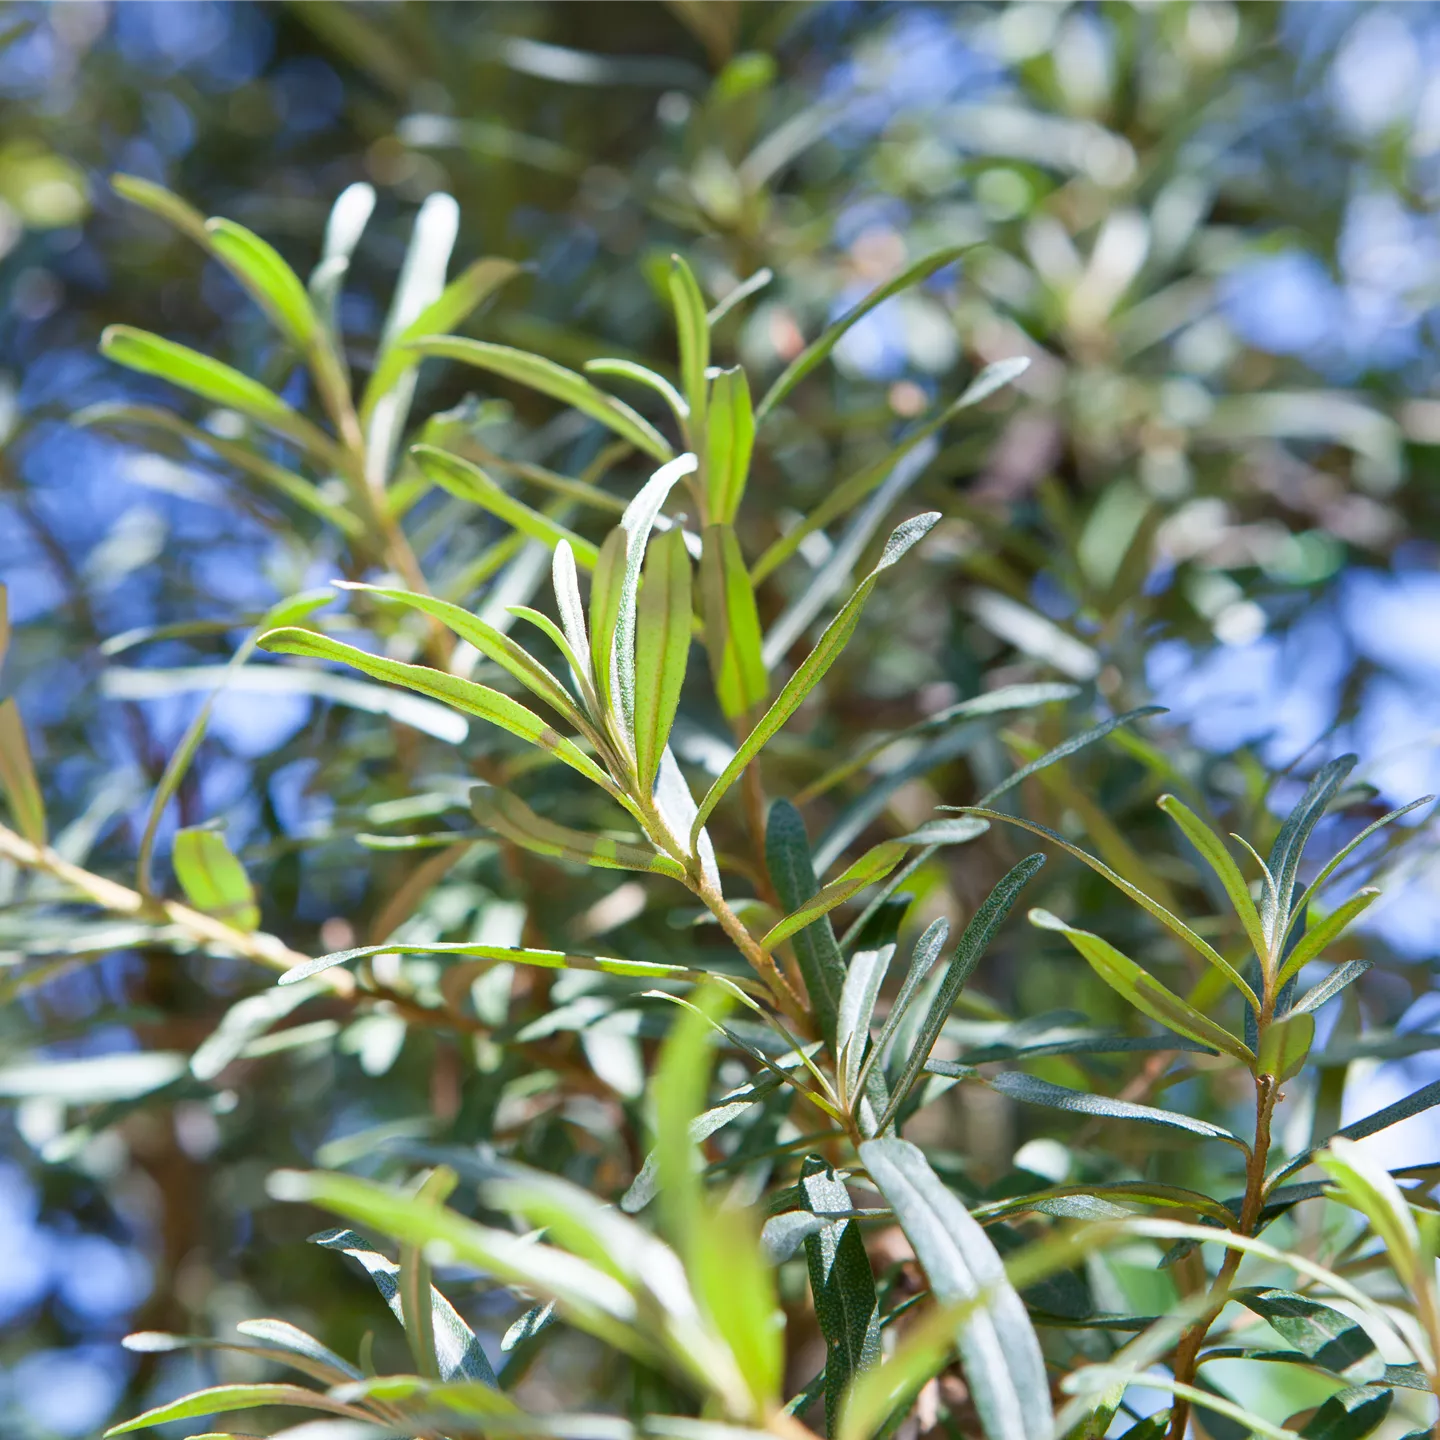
[662,648]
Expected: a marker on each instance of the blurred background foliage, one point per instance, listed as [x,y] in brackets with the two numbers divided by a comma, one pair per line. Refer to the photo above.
[1209,226]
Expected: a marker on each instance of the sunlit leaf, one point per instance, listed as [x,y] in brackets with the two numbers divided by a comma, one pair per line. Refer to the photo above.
[213,879]
[693,330]
[662,648]
[220,1399]
[874,865]
[729,441]
[1212,847]
[261,269]
[732,626]
[17,776]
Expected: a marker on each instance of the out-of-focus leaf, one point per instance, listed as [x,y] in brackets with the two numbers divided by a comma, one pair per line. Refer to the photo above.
[413,1282]
[217,383]
[220,1399]
[509,816]
[1325,1336]
[244,1021]
[349,216]
[261,269]
[629,370]
[1319,935]
[463,695]
[743,291]
[281,1342]
[17,776]
[1337,980]
[729,441]
[1350,1415]
[1286,1046]
[818,349]
[850,492]
[693,330]
[1003,1364]
[787,858]
[1368,1187]
[457,1352]
[1034,1091]
[1143,991]
[93,1079]
[974,940]
[605,586]
[460,298]
[1425,1098]
[470,482]
[213,879]
[732,626]
[843,1287]
[812,669]
[162,202]
[1212,848]
[662,648]
[875,864]
[553,380]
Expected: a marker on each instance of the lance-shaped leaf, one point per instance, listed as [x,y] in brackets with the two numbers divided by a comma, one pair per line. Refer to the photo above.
[1337,980]
[813,668]
[818,349]
[349,216]
[213,879]
[1369,1188]
[550,379]
[1350,1415]
[732,625]
[1319,935]
[1143,990]
[1325,1336]
[922,962]
[787,858]
[636,524]
[1290,843]
[1004,1367]
[262,270]
[413,1283]
[973,942]
[1212,848]
[463,695]
[463,295]
[455,1352]
[605,585]
[1034,1091]
[163,203]
[222,1399]
[218,383]
[492,643]
[507,815]
[729,441]
[566,583]
[843,1287]
[1170,921]
[693,331]
[470,482]
[662,648]
[282,1342]
[857,1007]
[875,864]
[17,776]
[1425,1098]
[640,375]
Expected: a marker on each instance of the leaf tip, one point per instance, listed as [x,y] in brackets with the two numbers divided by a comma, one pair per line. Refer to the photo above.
[289,1185]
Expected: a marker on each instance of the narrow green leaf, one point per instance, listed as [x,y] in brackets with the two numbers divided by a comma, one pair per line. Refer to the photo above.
[281,1342]
[1142,990]
[732,626]
[874,865]
[1102,1376]
[1350,1415]
[490,642]
[1004,1367]
[922,962]
[1425,1098]
[813,668]
[245,1021]
[213,879]
[974,940]
[662,649]
[17,776]
[1325,1336]
[470,482]
[464,695]
[729,441]
[1286,1046]
[787,858]
[552,380]
[262,270]
[293,487]
[162,202]
[510,817]
[1367,1186]
[1170,1197]
[1171,922]
[818,349]
[637,523]
[1033,1091]
[459,299]
[843,1287]
[1212,847]
[863,980]
[605,586]
[413,1282]
[743,291]
[217,383]
[1318,936]
[566,583]
[629,370]
[1290,843]
[220,1399]
[456,1351]
[693,330]
[1336,981]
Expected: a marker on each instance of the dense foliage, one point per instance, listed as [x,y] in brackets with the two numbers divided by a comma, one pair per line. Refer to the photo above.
[707,889]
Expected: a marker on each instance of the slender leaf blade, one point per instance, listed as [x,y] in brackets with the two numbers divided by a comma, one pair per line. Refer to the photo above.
[662,648]
[213,879]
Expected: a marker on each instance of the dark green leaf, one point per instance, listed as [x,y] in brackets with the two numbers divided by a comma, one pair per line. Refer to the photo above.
[732,626]
[1319,935]
[1350,1415]
[1290,842]
[1325,1336]
[693,331]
